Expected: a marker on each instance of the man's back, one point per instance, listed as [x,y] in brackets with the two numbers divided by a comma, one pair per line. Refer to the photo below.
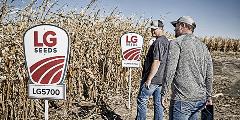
[189,72]
[194,62]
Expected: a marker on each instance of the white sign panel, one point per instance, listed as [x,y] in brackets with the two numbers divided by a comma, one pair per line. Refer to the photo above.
[46,91]
[131,44]
[46,50]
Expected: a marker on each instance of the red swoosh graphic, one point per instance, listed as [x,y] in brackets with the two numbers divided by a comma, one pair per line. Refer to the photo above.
[130,52]
[47,77]
[137,57]
[57,77]
[34,66]
[40,71]
[132,56]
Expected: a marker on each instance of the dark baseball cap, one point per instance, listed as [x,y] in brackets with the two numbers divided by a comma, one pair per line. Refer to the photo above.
[185,19]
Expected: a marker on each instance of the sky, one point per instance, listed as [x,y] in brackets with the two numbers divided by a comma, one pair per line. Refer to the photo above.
[219,18]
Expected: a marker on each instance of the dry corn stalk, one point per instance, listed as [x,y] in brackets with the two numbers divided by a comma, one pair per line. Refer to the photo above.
[94,71]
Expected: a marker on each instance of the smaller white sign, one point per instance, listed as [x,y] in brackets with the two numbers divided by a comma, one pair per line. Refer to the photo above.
[46,91]
[131,44]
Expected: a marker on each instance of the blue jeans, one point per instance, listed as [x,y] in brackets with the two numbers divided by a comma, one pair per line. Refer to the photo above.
[185,110]
[142,99]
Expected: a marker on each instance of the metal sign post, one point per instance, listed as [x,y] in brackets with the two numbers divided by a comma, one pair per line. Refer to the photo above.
[46,110]
[130,87]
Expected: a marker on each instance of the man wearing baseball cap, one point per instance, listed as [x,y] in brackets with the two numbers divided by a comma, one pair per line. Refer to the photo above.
[189,71]
[152,74]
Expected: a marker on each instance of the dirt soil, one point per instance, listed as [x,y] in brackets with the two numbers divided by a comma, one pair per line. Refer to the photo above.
[226,94]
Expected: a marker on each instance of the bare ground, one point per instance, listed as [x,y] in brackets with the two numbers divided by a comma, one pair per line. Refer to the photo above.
[226,94]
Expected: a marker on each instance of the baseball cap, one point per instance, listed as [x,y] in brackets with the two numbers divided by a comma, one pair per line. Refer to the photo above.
[156,24]
[185,19]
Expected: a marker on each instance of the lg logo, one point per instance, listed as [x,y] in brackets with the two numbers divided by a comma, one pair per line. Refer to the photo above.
[133,40]
[46,45]
[52,41]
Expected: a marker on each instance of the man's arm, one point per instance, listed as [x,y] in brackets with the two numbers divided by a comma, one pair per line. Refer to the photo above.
[153,71]
[209,78]
[173,56]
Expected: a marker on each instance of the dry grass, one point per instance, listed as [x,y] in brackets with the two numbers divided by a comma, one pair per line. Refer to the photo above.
[94,73]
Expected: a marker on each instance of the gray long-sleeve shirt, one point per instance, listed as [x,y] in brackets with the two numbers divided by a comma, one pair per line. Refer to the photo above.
[189,68]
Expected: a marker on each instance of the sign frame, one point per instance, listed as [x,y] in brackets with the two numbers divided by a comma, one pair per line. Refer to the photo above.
[129,52]
[61,80]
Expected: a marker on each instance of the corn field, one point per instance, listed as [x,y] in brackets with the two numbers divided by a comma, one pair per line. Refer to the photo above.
[94,73]
[222,45]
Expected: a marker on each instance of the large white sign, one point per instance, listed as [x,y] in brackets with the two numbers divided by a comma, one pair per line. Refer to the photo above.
[46,50]
[131,44]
